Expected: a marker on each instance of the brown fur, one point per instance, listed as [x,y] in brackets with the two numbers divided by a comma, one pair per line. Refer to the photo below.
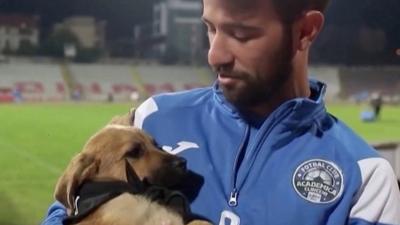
[126,119]
[103,158]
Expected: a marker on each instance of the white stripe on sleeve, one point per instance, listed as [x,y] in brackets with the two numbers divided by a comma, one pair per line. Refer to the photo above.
[144,110]
[378,200]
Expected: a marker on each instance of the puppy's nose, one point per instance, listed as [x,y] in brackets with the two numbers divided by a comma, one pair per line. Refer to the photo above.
[179,163]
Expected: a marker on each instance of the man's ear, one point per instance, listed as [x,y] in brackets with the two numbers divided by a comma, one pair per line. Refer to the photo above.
[308,28]
[82,167]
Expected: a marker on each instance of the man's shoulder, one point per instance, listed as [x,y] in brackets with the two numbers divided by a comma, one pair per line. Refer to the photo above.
[184,98]
[176,103]
[350,143]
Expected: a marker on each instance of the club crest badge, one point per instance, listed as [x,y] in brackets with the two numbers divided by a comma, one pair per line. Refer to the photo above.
[318,181]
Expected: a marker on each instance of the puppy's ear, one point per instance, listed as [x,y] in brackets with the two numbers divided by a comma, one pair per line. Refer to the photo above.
[82,167]
[126,120]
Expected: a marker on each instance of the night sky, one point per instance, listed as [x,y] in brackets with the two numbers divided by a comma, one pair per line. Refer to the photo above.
[121,15]
[345,16]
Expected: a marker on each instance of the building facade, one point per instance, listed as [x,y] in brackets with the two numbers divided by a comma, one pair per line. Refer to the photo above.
[17,31]
[90,32]
[176,31]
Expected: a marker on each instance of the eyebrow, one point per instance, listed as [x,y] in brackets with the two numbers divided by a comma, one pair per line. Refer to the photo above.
[233,25]
[237,26]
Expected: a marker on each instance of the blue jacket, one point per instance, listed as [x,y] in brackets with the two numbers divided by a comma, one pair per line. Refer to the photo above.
[300,165]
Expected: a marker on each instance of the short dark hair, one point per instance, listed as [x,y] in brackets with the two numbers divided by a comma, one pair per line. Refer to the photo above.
[289,10]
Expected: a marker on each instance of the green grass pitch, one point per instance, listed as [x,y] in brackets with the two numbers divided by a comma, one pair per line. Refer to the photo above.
[38,140]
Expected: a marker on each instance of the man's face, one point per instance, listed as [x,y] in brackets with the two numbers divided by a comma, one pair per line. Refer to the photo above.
[250,49]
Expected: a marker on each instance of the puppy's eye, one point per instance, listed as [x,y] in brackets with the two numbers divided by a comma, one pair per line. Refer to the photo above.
[135,152]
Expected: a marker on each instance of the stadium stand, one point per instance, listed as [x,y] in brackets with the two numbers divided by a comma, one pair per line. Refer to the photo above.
[95,82]
[34,82]
[356,81]
[105,82]
[172,78]
[99,82]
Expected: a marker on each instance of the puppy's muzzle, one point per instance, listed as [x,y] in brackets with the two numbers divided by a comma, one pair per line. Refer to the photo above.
[172,171]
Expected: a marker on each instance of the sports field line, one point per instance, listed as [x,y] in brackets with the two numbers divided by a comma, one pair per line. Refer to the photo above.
[32,158]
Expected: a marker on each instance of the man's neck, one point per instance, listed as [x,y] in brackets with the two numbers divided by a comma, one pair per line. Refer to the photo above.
[295,87]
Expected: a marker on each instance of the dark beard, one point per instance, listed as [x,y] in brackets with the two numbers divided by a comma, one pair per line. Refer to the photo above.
[259,90]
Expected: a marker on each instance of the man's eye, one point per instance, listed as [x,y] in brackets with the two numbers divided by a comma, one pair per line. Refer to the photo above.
[210,30]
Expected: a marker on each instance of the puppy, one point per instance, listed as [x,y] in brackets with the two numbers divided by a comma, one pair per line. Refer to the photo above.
[124,156]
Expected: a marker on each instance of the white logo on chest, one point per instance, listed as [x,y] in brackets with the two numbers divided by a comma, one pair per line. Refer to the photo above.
[318,181]
[182,146]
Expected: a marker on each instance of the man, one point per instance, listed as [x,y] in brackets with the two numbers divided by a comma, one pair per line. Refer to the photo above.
[261,139]
[376,103]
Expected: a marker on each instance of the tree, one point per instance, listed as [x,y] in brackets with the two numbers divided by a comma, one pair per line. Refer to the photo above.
[54,45]
[26,48]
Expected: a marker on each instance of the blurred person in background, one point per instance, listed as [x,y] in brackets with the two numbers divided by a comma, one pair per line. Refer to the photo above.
[17,95]
[376,103]
[260,137]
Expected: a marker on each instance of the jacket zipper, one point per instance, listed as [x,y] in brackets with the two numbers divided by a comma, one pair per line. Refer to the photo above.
[233,197]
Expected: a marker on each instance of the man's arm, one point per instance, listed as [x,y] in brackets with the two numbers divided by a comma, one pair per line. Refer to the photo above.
[378,199]
[55,215]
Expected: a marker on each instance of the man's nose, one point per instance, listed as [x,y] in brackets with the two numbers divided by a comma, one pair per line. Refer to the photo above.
[219,53]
